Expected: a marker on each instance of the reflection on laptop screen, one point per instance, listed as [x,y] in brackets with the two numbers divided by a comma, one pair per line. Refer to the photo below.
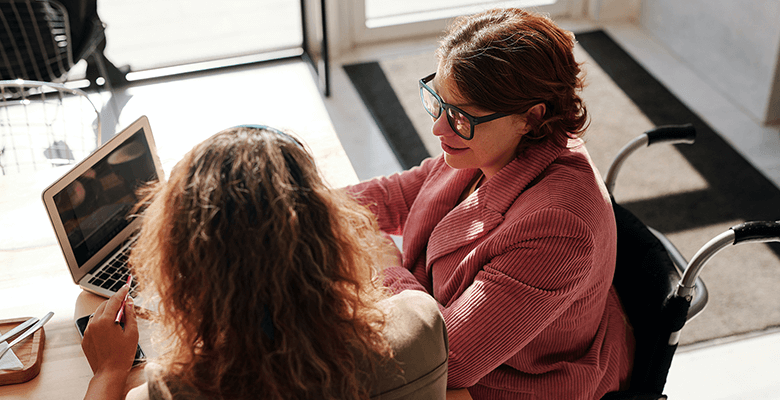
[96,206]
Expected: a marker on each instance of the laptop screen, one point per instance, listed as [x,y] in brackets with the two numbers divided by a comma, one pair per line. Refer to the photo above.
[97,205]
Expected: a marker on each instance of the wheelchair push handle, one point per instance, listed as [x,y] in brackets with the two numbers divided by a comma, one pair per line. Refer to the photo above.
[662,134]
[671,134]
[757,231]
[748,232]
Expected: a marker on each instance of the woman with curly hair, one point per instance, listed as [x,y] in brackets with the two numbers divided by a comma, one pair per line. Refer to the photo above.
[511,229]
[267,285]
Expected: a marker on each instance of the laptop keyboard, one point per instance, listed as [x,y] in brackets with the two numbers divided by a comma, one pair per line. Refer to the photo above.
[113,274]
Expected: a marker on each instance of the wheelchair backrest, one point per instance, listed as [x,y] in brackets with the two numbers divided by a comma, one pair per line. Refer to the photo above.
[645,278]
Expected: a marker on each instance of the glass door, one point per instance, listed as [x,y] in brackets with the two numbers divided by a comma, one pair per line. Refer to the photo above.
[380,20]
[153,34]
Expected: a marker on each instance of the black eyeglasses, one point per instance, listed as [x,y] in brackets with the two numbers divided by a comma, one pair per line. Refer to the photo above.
[460,121]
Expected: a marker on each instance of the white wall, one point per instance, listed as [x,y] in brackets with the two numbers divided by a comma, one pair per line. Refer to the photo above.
[733,45]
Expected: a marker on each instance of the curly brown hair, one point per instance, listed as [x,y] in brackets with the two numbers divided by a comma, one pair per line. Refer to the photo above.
[508,60]
[266,278]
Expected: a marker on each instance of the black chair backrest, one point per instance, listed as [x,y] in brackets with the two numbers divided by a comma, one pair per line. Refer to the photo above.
[34,40]
[645,278]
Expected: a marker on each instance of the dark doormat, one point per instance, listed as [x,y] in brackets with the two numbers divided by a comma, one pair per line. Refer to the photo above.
[735,190]
[380,98]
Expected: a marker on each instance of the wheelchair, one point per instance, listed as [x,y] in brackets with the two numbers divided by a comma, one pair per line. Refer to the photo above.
[661,290]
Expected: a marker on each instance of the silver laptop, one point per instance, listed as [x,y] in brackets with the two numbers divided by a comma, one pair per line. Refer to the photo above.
[91,207]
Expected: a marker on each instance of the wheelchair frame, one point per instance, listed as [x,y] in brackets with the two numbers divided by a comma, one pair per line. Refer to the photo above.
[681,294]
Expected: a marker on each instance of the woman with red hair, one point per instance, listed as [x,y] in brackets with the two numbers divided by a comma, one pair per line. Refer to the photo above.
[511,229]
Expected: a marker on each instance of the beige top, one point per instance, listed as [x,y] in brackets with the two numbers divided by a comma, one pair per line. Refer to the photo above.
[415,330]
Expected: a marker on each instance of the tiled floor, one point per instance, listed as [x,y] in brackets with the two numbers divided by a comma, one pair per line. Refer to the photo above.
[743,369]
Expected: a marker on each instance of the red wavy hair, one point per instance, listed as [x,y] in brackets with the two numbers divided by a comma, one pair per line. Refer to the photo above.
[508,60]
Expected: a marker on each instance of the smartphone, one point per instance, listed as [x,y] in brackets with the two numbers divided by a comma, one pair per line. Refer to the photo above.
[81,325]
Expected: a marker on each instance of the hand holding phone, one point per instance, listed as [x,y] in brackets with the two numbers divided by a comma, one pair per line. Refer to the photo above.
[81,325]
[109,345]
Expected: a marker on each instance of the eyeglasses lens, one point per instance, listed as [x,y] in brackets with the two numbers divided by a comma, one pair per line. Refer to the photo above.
[459,123]
[431,104]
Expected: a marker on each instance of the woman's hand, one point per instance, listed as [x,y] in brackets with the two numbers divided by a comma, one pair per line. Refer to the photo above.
[110,349]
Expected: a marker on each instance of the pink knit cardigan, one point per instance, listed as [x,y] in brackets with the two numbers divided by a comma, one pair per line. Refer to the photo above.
[522,271]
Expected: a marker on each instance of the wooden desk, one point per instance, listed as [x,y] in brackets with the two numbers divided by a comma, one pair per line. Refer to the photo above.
[34,279]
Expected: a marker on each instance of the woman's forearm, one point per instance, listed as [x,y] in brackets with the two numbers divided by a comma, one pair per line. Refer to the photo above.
[107,385]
